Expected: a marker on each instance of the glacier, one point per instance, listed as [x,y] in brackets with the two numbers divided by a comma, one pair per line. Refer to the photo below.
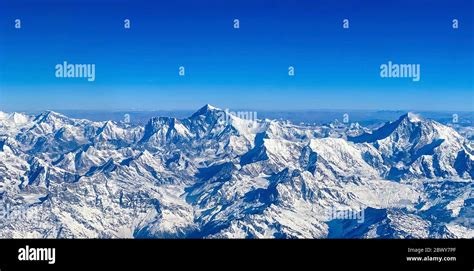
[199,177]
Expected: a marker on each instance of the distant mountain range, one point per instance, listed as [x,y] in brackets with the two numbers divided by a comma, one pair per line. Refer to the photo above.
[202,177]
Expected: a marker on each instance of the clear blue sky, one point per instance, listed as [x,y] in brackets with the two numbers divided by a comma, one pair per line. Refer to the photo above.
[336,68]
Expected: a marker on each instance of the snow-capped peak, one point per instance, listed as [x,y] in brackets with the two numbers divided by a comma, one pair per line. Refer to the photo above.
[3,115]
[18,118]
[405,126]
[210,107]
[206,109]
[412,117]
[13,120]
[49,116]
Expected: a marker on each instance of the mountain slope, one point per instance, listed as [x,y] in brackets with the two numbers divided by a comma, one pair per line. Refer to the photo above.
[214,175]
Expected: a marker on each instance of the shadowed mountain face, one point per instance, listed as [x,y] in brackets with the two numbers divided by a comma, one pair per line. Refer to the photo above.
[214,175]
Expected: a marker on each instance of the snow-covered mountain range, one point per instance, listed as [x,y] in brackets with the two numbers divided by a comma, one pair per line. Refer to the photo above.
[202,177]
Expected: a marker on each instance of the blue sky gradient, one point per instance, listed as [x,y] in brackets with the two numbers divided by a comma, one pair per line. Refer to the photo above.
[137,68]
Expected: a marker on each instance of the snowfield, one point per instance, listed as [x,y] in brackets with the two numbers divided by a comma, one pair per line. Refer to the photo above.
[200,177]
